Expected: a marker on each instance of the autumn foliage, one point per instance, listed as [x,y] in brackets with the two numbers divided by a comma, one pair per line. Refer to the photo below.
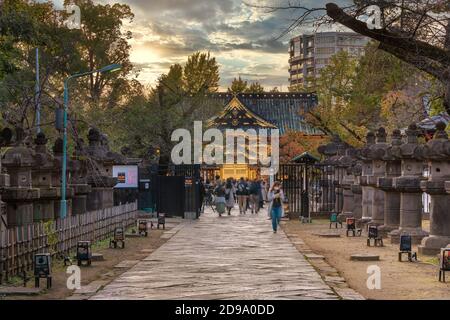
[295,143]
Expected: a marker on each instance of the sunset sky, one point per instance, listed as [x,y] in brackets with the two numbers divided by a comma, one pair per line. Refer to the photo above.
[242,38]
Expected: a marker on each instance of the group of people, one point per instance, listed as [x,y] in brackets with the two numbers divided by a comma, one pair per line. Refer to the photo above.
[249,195]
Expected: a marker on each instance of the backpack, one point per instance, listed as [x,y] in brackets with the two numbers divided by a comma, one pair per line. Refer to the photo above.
[241,188]
[227,194]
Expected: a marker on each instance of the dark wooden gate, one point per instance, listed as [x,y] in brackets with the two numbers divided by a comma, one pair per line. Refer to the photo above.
[170,195]
[175,190]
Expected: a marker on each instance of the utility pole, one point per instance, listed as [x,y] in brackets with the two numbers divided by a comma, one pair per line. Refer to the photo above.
[38,95]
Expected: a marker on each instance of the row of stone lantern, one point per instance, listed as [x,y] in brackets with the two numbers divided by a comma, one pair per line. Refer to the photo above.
[31,186]
[383,185]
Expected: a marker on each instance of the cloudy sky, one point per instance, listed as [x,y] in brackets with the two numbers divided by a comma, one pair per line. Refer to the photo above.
[242,38]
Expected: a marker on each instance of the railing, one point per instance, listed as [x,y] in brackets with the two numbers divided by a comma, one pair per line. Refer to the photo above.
[18,245]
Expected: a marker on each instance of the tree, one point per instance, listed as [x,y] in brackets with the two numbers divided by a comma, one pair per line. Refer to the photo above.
[334,87]
[414,31]
[274,90]
[201,74]
[23,27]
[357,95]
[255,87]
[96,100]
[103,41]
[175,102]
[238,86]
[295,143]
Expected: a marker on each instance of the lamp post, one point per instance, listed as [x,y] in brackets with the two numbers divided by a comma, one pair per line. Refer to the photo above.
[109,68]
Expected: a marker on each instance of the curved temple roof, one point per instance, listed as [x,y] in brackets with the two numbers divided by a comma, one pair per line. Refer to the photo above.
[266,110]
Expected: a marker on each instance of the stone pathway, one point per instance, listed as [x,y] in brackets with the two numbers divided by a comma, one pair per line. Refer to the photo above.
[231,257]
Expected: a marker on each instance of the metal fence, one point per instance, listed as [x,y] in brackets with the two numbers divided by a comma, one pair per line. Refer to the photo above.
[311,188]
[18,245]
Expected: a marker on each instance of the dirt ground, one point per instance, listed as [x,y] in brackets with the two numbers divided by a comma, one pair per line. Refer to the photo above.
[399,280]
[99,270]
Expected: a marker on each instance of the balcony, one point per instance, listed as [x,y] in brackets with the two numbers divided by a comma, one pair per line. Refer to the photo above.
[295,59]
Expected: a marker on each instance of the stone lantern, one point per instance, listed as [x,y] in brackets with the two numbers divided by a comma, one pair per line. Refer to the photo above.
[367,171]
[5,139]
[78,180]
[408,184]
[437,152]
[391,195]
[19,196]
[101,172]
[357,191]
[340,163]
[348,162]
[43,167]
[376,153]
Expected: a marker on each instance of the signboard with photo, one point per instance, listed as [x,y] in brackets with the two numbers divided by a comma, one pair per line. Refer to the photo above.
[127,176]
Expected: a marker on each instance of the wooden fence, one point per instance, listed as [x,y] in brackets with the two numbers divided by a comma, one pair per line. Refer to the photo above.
[18,245]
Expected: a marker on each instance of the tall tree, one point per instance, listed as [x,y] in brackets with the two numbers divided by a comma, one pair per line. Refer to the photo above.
[356,95]
[295,143]
[255,87]
[26,25]
[200,74]
[274,90]
[238,86]
[103,41]
[175,102]
[415,31]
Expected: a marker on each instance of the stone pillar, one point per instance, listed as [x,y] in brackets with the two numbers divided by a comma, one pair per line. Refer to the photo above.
[437,152]
[377,151]
[5,138]
[338,177]
[19,196]
[78,181]
[100,175]
[367,171]
[391,195]
[346,163]
[411,155]
[44,208]
[357,191]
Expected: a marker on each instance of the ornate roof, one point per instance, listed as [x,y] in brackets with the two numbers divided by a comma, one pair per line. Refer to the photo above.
[282,110]
[236,115]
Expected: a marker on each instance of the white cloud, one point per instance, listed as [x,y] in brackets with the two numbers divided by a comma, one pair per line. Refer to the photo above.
[242,38]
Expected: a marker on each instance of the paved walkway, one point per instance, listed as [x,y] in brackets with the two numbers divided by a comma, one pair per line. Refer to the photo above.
[231,257]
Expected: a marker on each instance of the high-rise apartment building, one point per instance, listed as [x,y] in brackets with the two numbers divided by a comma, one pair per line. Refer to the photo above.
[311,52]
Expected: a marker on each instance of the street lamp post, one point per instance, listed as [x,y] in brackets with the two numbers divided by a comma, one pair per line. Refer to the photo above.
[109,68]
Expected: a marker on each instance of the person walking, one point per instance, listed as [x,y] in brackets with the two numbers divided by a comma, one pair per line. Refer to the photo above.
[235,188]
[261,194]
[242,195]
[229,195]
[276,198]
[217,181]
[201,195]
[219,198]
[264,191]
[254,196]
